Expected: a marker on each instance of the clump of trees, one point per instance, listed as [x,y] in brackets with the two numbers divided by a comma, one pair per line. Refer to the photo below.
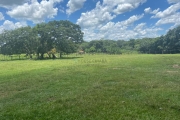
[167,44]
[53,37]
[111,46]
[65,37]
[101,46]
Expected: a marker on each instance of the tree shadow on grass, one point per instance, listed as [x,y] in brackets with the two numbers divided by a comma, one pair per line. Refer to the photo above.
[62,58]
[35,59]
[69,58]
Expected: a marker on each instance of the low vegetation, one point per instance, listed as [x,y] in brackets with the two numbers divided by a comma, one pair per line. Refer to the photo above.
[101,80]
[91,87]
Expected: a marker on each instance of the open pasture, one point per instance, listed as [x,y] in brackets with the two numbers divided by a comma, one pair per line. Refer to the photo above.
[91,87]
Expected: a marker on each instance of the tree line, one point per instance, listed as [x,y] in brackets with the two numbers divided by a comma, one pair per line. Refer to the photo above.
[64,37]
[51,38]
[167,44]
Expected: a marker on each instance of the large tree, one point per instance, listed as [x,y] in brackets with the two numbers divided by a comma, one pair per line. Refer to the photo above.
[65,35]
[61,36]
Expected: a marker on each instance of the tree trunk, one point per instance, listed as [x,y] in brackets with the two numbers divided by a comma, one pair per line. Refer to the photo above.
[42,55]
[60,54]
[49,55]
[30,56]
[37,55]
[54,57]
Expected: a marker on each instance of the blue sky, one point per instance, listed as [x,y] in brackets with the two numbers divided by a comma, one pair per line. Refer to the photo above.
[99,19]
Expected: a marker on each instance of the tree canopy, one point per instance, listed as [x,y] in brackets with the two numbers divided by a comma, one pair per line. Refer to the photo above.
[66,37]
[51,37]
[167,44]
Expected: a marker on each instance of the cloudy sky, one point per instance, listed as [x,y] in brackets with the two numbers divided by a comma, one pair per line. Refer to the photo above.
[99,19]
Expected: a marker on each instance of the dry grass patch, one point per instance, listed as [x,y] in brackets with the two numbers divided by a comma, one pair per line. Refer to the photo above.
[176,66]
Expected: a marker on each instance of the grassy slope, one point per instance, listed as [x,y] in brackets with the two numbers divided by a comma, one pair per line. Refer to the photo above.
[94,87]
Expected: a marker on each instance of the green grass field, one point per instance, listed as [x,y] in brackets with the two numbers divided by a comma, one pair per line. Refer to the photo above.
[91,87]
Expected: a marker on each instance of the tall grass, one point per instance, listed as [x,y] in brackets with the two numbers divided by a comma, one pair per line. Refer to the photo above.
[94,87]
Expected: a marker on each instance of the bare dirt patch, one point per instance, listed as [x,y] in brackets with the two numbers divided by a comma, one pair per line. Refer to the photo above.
[116,68]
[172,71]
[176,66]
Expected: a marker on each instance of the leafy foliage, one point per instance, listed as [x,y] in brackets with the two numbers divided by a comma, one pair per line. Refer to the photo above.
[66,37]
[170,43]
[61,36]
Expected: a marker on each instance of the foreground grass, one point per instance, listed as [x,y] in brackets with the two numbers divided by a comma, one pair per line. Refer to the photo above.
[95,87]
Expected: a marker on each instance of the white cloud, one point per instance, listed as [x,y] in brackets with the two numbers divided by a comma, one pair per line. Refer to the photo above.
[139,27]
[168,12]
[11,3]
[121,30]
[97,23]
[132,19]
[35,11]
[135,3]
[173,1]
[1,16]
[74,5]
[106,11]
[143,31]
[155,11]
[107,27]
[99,15]
[115,31]
[149,10]
[169,15]
[9,25]
[122,8]
[172,19]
